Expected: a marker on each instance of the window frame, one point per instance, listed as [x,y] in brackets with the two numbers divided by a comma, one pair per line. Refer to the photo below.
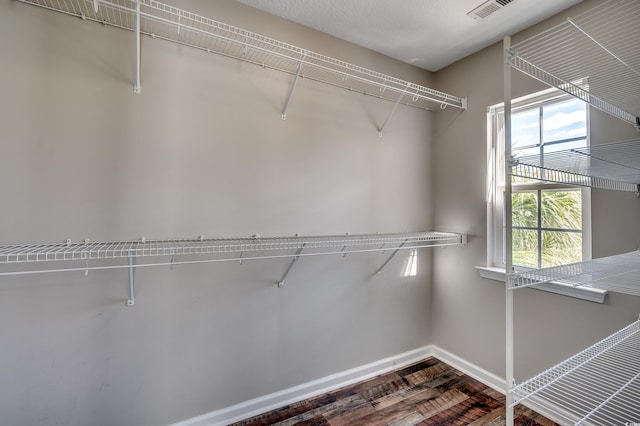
[495,185]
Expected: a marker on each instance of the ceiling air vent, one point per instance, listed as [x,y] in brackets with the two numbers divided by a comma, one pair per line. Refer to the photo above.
[488,8]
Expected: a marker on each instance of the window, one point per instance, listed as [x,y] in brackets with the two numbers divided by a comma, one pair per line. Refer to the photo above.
[550,220]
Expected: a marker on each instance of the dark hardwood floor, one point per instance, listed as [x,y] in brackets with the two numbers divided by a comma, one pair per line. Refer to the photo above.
[429,392]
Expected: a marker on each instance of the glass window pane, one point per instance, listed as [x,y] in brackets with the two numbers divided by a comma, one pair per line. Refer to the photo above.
[564,120]
[525,247]
[562,146]
[524,209]
[525,129]
[517,180]
[562,210]
[560,248]
[526,152]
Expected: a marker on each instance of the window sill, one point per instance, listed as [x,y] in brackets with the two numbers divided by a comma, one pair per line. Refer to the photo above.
[584,293]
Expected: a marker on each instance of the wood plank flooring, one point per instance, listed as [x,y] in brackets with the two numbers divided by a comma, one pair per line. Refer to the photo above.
[427,393]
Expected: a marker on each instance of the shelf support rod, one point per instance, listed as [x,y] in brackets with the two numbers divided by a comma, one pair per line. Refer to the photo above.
[606,401]
[390,257]
[286,272]
[131,301]
[95,6]
[603,47]
[509,313]
[293,88]
[136,84]
[393,110]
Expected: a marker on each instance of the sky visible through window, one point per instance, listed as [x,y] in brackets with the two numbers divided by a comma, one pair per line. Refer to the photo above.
[560,121]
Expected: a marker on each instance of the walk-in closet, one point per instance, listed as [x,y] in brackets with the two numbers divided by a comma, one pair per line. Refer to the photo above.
[249,212]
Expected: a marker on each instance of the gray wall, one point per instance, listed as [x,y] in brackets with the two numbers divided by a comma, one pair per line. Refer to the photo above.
[202,151]
[468,316]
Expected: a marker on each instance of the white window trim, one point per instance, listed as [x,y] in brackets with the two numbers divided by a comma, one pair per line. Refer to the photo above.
[494,269]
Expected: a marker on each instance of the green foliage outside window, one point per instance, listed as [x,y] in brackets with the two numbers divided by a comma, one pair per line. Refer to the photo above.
[559,235]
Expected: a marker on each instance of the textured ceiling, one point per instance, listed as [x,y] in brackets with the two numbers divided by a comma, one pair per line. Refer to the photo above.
[430,34]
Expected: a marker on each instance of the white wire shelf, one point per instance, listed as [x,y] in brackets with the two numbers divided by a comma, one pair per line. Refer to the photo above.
[169,23]
[620,273]
[203,250]
[606,166]
[601,46]
[598,386]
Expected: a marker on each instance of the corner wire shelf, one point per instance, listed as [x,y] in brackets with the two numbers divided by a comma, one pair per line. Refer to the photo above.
[169,23]
[595,57]
[614,166]
[598,386]
[23,259]
[620,273]
[601,46]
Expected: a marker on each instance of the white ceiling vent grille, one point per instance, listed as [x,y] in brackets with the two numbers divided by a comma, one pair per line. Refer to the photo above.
[487,8]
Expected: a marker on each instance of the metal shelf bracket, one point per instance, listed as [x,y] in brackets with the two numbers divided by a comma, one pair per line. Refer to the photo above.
[131,301]
[344,248]
[136,85]
[293,88]
[286,272]
[393,110]
[390,257]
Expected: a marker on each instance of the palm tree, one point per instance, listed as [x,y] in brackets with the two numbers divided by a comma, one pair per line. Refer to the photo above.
[559,234]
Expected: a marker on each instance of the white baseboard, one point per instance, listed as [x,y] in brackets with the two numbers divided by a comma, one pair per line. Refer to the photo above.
[326,384]
[472,370]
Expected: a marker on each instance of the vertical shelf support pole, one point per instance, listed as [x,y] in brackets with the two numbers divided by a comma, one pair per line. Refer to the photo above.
[293,88]
[286,272]
[136,84]
[132,300]
[390,257]
[509,313]
[393,110]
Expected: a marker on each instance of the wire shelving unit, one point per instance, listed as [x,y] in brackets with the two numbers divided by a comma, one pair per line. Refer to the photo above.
[620,273]
[598,386]
[600,45]
[162,21]
[614,166]
[595,57]
[67,256]
[215,249]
